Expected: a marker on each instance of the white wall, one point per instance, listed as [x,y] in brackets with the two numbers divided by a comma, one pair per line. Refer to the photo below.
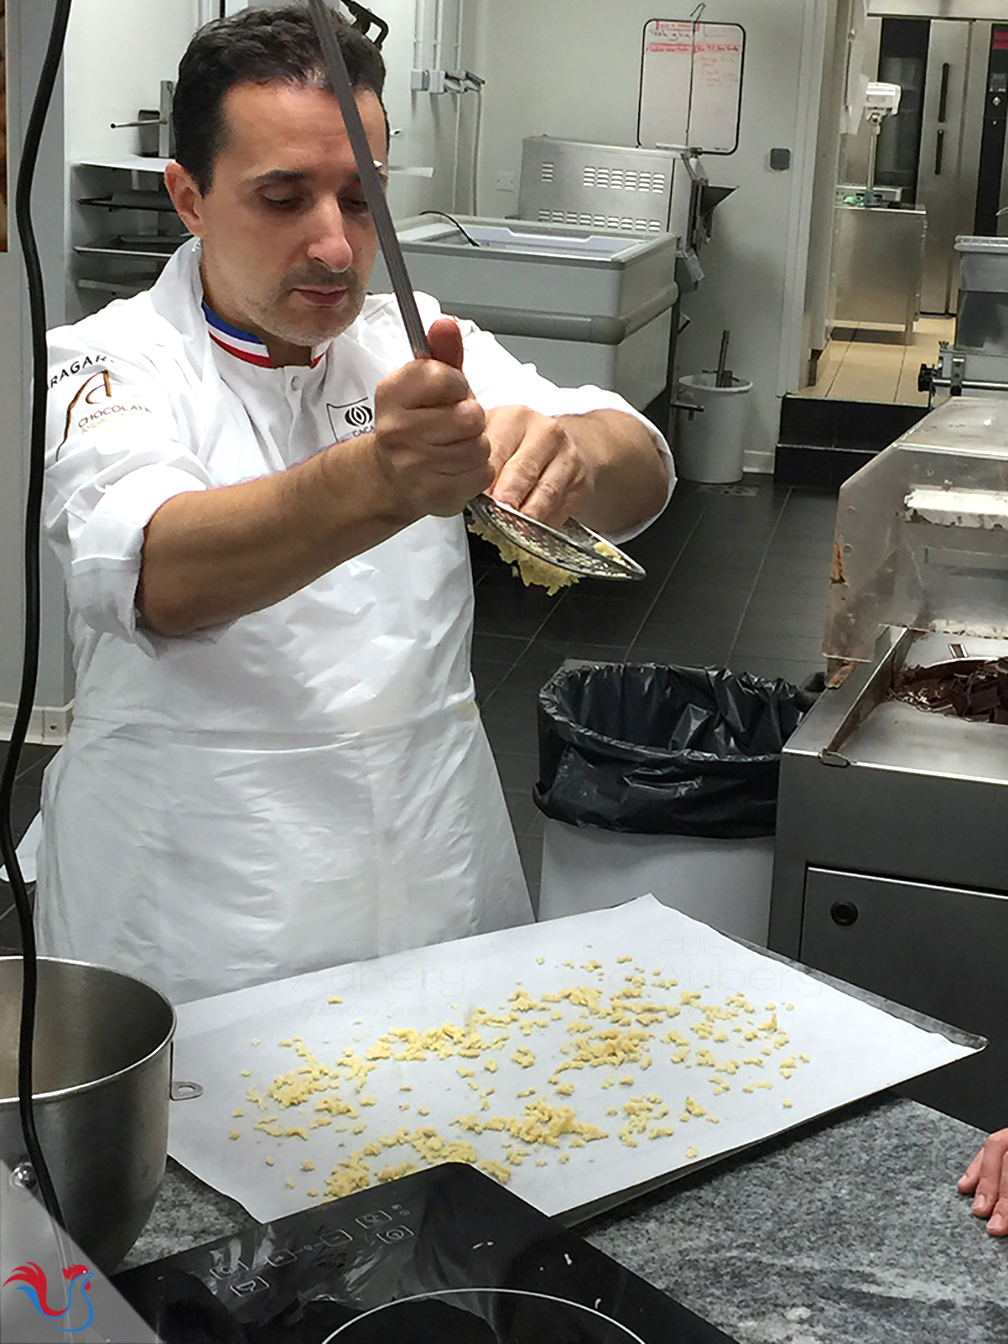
[117,53]
[818,305]
[427,121]
[573,71]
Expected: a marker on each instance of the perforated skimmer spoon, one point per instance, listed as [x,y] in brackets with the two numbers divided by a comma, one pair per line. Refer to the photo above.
[572,547]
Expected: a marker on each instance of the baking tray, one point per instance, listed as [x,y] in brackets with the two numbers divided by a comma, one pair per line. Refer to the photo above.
[842,1045]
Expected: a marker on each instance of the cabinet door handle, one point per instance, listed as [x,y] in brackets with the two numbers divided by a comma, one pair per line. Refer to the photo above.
[943,94]
[939,152]
[844,913]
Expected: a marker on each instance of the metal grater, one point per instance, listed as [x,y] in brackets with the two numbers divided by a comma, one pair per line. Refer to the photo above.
[572,547]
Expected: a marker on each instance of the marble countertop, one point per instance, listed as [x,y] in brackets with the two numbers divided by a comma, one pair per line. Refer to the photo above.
[848,1230]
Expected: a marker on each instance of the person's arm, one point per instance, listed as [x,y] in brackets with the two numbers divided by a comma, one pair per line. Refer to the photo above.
[986,1179]
[602,467]
[214,555]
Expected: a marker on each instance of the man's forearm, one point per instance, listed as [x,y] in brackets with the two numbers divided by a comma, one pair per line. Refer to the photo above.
[212,556]
[630,475]
[215,555]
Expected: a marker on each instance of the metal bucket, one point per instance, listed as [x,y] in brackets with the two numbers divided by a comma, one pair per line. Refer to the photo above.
[102,1078]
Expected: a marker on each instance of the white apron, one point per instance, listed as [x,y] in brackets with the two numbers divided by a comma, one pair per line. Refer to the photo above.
[310,784]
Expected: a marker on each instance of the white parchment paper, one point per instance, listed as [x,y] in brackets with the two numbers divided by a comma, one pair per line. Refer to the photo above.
[767,1047]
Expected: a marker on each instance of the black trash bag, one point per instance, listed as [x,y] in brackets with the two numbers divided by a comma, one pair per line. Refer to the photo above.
[659,750]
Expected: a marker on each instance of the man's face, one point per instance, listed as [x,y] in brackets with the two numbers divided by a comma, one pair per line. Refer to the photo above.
[288,241]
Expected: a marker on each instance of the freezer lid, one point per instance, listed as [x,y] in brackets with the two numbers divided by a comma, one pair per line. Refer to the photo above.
[557,244]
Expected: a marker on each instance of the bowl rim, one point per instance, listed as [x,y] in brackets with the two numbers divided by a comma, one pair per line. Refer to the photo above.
[92,1083]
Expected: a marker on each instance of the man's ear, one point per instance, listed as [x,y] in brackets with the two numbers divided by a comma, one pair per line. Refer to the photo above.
[186,197]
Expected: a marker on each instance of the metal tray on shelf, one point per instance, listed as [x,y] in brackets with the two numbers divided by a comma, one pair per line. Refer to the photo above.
[131,200]
[155,246]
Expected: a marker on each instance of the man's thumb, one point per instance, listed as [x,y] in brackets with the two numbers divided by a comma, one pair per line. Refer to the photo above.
[445,341]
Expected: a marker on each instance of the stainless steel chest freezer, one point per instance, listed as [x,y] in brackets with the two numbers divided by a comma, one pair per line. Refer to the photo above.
[891,853]
[584,305]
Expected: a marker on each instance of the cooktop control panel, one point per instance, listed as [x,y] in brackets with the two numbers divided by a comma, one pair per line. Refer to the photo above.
[445,1256]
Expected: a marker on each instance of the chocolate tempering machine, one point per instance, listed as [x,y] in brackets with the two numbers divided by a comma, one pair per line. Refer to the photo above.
[891,856]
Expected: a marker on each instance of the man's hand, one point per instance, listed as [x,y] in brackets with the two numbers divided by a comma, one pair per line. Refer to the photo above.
[429,435]
[537,466]
[601,468]
[986,1178]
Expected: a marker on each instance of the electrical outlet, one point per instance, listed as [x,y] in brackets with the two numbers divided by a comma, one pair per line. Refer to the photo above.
[505,181]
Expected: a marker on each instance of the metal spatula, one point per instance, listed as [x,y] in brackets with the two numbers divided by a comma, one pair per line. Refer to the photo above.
[571,547]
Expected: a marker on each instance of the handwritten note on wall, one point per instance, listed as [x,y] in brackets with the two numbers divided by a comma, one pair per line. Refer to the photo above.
[691,85]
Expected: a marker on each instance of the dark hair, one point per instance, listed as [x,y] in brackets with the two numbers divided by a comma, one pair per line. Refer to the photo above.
[256,46]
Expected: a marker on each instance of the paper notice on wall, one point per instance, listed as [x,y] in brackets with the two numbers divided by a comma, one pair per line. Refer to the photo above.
[691,85]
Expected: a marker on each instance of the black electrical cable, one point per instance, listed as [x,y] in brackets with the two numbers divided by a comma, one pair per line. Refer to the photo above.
[29,667]
[452,220]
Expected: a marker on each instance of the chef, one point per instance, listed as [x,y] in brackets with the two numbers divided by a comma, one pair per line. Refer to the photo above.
[276,761]
[986,1179]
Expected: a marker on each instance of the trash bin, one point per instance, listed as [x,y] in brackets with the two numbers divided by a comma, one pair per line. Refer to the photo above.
[710,442]
[664,780]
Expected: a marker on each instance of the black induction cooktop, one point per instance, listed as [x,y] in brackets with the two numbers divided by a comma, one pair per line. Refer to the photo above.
[446,1256]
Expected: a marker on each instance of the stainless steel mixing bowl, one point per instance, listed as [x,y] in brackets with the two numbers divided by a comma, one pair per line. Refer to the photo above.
[102,1062]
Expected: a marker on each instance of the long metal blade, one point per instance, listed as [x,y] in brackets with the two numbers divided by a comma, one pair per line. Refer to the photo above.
[374,190]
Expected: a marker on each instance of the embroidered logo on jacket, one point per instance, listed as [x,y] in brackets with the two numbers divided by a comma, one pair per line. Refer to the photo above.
[351,420]
[78,366]
[94,404]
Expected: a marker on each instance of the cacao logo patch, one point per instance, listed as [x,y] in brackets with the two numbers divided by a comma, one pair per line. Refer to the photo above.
[351,420]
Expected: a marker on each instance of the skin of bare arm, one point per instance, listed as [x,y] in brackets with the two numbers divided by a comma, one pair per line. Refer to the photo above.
[986,1179]
[212,556]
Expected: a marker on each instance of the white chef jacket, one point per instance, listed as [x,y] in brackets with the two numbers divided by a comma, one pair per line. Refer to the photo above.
[304,786]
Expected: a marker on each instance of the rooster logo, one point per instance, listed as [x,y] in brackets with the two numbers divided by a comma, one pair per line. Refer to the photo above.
[31,1280]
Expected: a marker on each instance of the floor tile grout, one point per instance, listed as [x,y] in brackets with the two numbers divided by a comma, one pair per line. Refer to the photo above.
[759,571]
[667,579]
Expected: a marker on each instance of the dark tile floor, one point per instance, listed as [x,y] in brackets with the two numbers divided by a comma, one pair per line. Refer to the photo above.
[733,579]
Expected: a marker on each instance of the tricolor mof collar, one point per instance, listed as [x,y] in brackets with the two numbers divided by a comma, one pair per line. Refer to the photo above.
[242,344]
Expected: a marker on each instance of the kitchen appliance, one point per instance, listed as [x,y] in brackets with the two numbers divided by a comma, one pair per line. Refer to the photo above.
[931,146]
[881,100]
[605,186]
[878,252]
[641,191]
[877,265]
[585,304]
[976,362]
[102,1082]
[444,1255]
[891,859]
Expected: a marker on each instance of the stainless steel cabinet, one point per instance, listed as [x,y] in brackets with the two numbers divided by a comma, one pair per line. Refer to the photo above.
[878,256]
[939,949]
